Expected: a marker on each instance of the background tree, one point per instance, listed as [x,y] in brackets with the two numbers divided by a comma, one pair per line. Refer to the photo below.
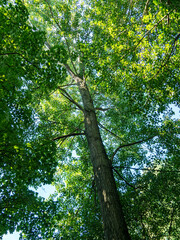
[107,73]
[26,153]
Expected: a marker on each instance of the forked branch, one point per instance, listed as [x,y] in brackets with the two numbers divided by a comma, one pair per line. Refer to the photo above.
[67,96]
[129,144]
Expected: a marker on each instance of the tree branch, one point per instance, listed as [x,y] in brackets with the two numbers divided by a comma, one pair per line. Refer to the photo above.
[146,8]
[70,71]
[167,57]
[147,169]
[102,109]
[155,25]
[16,53]
[68,85]
[58,25]
[171,222]
[110,131]
[129,144]
[68,135]
[140,40]
[124,179]
[66,95]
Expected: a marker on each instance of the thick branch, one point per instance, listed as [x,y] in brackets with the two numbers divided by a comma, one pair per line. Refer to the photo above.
[68,135]
[129,144]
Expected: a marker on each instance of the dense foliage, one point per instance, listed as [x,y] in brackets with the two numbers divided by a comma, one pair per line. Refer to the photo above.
[128,52]
[26,152]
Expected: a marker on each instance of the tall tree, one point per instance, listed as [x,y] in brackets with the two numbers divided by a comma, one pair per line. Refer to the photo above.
[107,73]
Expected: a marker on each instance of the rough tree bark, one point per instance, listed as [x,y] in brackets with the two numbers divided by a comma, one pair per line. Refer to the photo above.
[115,227]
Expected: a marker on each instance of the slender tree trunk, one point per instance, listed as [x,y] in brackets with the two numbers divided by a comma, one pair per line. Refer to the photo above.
[115,227]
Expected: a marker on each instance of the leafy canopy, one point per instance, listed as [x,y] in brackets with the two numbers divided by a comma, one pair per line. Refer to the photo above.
[128,52]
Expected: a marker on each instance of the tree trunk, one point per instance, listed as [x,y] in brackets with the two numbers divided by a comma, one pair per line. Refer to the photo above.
[115,227]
